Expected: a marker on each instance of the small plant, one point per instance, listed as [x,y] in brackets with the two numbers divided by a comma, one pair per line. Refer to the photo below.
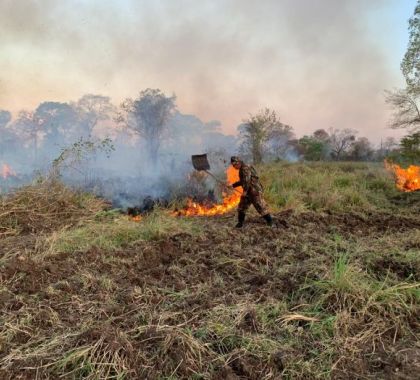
[78,153]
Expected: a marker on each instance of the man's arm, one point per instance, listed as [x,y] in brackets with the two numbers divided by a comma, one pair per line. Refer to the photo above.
[246,178]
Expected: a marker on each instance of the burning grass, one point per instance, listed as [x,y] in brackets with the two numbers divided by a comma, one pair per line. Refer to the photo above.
[230,200]
[332,294]
[406,179]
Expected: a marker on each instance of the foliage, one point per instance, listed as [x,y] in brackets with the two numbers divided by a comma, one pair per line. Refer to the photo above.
[406,108]
[406,101]
[148,116]
[262,134]
[92,109]
[79,152]
[361,150]
[8,140]
[312,148]
[5,117]
[341,141]
[410,65]
[410,147]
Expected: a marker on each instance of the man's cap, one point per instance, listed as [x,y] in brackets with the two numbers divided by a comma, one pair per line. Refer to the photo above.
[235,159]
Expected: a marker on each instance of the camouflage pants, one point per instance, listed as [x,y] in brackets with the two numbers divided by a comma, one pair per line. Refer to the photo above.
[255,198]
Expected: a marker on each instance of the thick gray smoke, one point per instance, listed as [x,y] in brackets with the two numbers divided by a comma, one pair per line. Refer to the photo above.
[319,63]
[118,168]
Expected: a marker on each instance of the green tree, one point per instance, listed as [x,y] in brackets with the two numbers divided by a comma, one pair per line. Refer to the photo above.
[361,150]
[410,147]
[405,102]
[315,147]
[410,65]
[312,148]
[264,133]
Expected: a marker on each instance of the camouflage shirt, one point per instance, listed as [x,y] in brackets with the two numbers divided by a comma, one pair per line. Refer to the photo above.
[248,179]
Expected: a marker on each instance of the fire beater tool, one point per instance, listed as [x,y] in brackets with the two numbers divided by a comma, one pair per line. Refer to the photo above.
[201,163]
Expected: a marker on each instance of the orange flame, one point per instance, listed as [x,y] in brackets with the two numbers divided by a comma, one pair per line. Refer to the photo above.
[136,218]
[405,179]
[230,200]
[7,171]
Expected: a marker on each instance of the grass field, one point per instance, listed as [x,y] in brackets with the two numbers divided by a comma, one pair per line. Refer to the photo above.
[332,291]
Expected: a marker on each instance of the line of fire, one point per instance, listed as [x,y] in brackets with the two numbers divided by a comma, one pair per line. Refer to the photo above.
[406,180]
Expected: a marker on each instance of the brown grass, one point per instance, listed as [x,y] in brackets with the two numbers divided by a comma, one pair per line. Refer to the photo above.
[331,295]
[45,206]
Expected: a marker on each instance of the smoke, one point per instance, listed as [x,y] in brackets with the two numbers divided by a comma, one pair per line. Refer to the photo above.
[68,139]
[319,63]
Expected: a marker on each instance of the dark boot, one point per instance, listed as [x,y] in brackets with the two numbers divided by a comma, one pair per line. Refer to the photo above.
[241,219]
[268,219]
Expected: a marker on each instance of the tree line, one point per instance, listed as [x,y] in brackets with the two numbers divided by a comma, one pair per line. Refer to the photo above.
[152,119]
[263,137]
[149,126]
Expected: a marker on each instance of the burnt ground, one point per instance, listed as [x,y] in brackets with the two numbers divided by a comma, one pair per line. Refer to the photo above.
[223,304]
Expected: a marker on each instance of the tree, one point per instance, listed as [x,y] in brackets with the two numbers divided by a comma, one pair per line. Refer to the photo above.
[340,141]
[361,150]
[148,116]
[5,117]
[410,147]
[91,110]
[406,109]
[410,65]
[315,147]
[278,141]
[406,101]
[321,135]
[29,132]
[312,148]
[58,123]
[389,144]
[49,127]
[264,133]
[8,140]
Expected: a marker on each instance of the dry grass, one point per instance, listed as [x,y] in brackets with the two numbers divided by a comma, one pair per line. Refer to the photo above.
[45,206]
[95,295]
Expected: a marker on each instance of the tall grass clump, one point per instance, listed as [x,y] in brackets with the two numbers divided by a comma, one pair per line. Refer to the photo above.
[327,185]
[45,205]
[360,313]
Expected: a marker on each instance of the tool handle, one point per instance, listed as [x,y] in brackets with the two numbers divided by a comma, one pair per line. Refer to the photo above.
[221,182]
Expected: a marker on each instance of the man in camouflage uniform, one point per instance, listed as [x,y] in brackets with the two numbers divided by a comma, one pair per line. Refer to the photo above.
[253,192]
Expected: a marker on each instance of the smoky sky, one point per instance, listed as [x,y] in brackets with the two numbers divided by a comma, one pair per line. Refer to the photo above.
[318,63]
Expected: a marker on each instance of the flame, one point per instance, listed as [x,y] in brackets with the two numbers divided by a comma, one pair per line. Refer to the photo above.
[7,171]
[405,179]
[230,200]
[136,218]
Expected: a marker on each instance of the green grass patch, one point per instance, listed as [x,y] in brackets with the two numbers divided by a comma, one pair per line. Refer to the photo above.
[110,234]
[338,186]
